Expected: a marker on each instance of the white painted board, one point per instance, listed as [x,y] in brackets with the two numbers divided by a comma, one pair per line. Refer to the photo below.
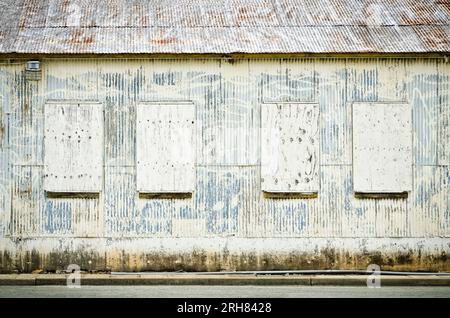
[290,147]
[165,147]
[382,147]
[73,147]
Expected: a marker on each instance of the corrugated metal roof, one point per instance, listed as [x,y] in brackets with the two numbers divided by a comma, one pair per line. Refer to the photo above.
[224,26]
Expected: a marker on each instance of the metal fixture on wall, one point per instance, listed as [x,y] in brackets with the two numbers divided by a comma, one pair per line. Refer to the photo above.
[33,71]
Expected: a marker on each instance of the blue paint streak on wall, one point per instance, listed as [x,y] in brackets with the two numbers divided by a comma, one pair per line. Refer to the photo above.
[166,78]
[300,219]
[136,84]
[289,217]
[61,85]
[205,87]
[57,217]
[423,194]
[359,212]
[216,196]
[333,107]
[115,82]
[270,87]
[445,184]
[185,211]
[422,89]
[121,212]
[155,218]
[366,88]
[301,86]
[348,190]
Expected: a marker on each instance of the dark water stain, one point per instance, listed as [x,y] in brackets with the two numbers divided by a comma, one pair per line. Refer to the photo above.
[202,260]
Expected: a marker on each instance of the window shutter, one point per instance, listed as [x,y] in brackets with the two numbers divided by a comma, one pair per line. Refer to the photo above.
[382,147]
[290,147]
[165,147]
[73,147]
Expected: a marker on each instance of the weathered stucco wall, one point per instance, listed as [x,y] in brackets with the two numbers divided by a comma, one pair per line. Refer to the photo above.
[227,224]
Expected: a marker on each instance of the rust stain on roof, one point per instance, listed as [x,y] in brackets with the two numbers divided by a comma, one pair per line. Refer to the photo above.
[78,37]
[165,41]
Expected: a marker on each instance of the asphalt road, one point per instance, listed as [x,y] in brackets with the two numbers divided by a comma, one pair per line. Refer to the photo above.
[221,291]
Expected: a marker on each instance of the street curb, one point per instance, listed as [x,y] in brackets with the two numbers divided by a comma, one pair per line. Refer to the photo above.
[385,280]
[195,279]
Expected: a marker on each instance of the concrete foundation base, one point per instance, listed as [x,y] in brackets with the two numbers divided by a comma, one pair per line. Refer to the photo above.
[222,254]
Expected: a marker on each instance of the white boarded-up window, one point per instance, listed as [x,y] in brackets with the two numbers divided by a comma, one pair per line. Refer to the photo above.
[382,145]
[73,147]
[290,147]
[165,147]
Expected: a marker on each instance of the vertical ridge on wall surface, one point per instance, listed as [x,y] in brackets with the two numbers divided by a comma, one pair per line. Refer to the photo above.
[27,121]
[71,79]
[205,82]
[4,152]
[10,80]
[77,217]
[444,114]
[335,115]
[34,214]
[236,126]
[445,207]
[391,80]
[359,215]
[58,218]
[427,199]
[5,194]
[253,219]
[187,221]
[121,212]
[431,201]
[118,87]
[298,83]
[169,80]
[334,200]
[218,197]
[272,80]
[293,217]
[155,217]
[392,217]
[26,155]
[362,80]
[27,201]
[422,88]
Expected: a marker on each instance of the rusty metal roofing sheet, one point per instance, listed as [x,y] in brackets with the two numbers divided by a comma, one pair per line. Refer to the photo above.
[224,26]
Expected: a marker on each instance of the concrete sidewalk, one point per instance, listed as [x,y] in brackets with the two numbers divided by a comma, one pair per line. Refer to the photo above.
[229,279]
